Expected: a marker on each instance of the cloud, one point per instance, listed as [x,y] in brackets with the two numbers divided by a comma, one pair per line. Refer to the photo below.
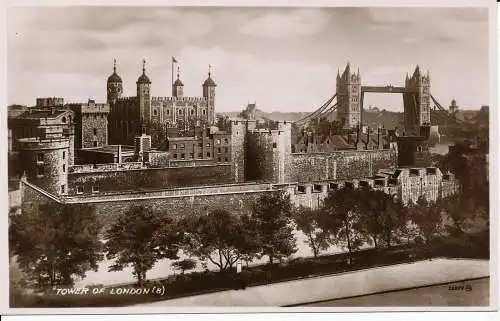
[287,23]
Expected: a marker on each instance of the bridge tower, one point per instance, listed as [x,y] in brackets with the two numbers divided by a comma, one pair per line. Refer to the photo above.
[348,98]
[417,112]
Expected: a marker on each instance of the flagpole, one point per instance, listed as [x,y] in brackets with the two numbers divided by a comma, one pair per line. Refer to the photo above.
[172,76]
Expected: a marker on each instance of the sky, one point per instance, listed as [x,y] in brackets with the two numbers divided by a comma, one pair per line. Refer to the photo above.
[283,59]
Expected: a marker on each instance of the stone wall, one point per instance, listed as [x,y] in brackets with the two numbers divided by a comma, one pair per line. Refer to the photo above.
[308,167]
[148,178]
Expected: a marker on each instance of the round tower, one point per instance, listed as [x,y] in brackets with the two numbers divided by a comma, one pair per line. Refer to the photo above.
[45,162]
[209,94]
[115,86]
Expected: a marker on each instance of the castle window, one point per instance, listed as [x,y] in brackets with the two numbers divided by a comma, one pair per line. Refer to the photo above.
[274,144]
[95,188]
[226,149]
[168,112]
[39,158]
[95,143]
[175,156]
[64,168]
[225,140]
[204,112]
[40,170]
[64,155]
[218,159]
[317,188]
[200,155]
[218,141]
[208,154]
[79,190]
[95,131]
[226,159]
[174,146]
[182,156]
[219,150]
[333,186]
[192,112]
[63,189]
[182,146]
[208,145]
[301,189]
[155,112]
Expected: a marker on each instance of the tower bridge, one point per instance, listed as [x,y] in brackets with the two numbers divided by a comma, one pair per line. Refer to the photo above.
[348,102]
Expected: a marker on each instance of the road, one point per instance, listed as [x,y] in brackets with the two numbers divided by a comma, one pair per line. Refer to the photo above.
[349,284]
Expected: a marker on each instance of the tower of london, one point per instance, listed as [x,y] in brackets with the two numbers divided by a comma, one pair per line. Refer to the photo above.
[128,115]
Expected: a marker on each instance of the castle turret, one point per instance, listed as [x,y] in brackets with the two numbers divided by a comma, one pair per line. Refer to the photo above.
[143,94]
[114,86]
[209,94]
[178,87]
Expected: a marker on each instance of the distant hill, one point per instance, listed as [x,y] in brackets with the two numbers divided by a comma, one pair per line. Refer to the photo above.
[275,115]
[372,118]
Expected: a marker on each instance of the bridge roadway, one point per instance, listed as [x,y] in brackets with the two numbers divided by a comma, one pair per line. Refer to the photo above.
[342,285]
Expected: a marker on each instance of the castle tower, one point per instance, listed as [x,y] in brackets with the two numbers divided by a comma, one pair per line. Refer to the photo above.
[238,136]
[209,94]
[143,94]
[45,162]
[115,86]
[417,102]
[178,87]
[348,98]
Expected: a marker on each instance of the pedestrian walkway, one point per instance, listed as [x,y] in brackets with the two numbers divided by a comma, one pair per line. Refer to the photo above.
[342,285]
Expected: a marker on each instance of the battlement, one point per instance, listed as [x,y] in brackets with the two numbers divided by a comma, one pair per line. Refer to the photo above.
[38,143]
[110,167]
[132,98]
[183,99]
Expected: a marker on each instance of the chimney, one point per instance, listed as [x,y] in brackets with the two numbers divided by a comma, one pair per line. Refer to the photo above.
[119,156]
[378,138]
[357,136]
[367,137]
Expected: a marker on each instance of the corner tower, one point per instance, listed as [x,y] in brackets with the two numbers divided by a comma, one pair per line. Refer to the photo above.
[348,98]
[209,94]
[143,94]
[114,86]
[417,111]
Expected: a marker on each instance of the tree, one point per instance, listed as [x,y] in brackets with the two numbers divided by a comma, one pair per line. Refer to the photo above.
[140,238]
[184,265]
[308,221]
[406,227]
[372,211]
[219,237]
[342,218]
[56,242]
[428,218]
[271,220]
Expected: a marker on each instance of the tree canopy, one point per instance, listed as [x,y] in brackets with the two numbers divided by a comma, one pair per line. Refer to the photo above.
[56,242]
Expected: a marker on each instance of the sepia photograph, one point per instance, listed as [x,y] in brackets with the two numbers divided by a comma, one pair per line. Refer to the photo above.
[249,157]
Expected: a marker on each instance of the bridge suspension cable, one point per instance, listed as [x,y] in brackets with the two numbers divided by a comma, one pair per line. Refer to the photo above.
[317,112]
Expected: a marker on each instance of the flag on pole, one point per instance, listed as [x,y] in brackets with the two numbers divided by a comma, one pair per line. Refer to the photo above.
[174,60]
